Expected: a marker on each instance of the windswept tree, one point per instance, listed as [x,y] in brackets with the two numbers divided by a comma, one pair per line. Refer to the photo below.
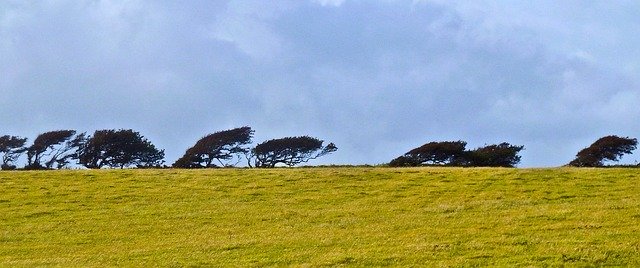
[118,148]
[433,153]
[224,148]
[495,155]
[610,148]
[453,153]
[53,149]
[290,151]
[11,147]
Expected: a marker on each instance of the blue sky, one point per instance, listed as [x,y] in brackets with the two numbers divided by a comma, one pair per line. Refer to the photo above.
[376,77]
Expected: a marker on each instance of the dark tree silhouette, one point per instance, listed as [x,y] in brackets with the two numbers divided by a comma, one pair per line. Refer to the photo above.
[223,147]
[118,148]
[11,147]
[453,153]
[610,148]
[433,153]
[495,155]
[405,161]
[53,149]
[445,152]
[290,151]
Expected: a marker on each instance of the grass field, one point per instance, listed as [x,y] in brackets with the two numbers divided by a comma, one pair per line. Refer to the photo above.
[321,217]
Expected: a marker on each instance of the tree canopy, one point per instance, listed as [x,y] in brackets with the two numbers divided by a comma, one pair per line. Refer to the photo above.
[610,148]
[495,155]
[433,153]
[290,151]
[118,148]
[222,146]
[453,153]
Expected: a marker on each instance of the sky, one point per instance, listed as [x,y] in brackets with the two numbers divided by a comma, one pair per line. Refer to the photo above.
[376,77]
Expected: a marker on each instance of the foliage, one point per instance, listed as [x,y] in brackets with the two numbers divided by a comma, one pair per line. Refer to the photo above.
[290,151]
[118,148]
[221,146]
[495,155]
[11,147]
[53,149]
[434,153]
[610,148]
[361,217]
[405,161]
[453,153]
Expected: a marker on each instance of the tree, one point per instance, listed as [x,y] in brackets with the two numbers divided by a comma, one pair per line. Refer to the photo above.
[11,147]
[610,148]
[118,148]
[495,155]
[453,153]
[222,146]
[53,149]
[290,151]
[438,153]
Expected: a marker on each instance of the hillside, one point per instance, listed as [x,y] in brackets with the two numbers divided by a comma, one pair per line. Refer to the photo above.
[320,216]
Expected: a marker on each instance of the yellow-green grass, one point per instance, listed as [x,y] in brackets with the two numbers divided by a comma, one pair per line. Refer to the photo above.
[321,217]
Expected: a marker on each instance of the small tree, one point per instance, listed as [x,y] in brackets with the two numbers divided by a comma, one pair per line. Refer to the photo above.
[610,148]
[119,148]
[53,149]
[290,151]
[11,147]
[495,155]
[222,146]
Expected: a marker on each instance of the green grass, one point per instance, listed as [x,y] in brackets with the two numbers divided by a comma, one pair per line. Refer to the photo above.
[321,217]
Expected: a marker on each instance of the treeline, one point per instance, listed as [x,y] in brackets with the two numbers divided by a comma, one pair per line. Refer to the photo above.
[454,153]
[227,148]
[128,148]
[111,148]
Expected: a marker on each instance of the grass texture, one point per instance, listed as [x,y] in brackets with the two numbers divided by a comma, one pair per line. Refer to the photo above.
[311,217]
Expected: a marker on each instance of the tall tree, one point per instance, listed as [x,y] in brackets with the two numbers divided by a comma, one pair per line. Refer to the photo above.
[11,148]
[222,147]
[119,148]
[610,148]
[53,149]
[290,151]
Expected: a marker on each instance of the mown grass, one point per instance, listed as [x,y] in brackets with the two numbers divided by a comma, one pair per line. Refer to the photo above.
[321,217]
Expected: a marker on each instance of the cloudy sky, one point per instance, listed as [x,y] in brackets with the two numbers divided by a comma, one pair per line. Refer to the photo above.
[376,77]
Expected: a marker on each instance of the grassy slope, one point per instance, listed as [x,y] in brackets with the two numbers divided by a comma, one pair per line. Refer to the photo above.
[323,216]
